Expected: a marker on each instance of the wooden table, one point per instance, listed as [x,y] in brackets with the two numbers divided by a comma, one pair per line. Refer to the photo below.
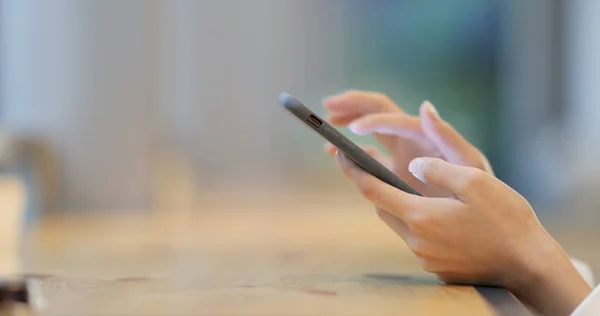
[291,258]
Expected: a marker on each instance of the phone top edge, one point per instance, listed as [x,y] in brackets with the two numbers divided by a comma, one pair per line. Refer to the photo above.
[288,101]
[295,107]
[286,98]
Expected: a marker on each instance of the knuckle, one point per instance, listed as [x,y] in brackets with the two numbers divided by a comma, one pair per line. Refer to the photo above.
[476,179]
[419,222]
[381,96]
[368,188]
[385,101]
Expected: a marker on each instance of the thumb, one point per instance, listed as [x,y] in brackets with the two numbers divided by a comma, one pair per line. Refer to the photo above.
[463,182]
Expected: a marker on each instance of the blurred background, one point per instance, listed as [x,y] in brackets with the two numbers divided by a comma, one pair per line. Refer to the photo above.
[156,106]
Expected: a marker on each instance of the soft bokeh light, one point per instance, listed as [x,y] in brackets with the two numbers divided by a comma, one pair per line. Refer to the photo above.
[157,106]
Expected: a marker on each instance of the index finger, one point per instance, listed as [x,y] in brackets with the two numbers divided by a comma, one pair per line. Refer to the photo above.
[450,142]
[359,102]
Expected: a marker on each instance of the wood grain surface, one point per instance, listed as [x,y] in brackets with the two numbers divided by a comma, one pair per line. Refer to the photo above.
[291,258]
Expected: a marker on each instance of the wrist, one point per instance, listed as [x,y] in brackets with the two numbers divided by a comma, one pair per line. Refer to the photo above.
[545,277]
[536,256]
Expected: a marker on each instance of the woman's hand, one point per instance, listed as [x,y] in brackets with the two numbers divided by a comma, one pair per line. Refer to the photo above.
[469,227]
[488,234]
[404,136]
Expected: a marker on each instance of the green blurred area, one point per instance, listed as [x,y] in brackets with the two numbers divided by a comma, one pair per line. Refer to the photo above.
[429,50]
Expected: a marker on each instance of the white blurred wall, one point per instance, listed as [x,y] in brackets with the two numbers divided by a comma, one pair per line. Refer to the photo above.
[550,100]
[76,75]
[231,60]
[582,119]
[530,95]
[114,86]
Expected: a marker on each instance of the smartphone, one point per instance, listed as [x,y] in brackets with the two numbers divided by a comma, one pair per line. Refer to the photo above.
[350,149]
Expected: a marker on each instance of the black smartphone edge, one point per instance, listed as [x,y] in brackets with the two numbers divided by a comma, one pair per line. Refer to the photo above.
[349,148]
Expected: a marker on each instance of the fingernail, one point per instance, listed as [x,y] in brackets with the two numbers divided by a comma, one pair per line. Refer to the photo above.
[357,128]
[415,168]
[414,165]
[338,156]
[353,127]
[430,109]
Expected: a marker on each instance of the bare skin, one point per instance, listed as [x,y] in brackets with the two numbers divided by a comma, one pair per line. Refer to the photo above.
[468,227]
